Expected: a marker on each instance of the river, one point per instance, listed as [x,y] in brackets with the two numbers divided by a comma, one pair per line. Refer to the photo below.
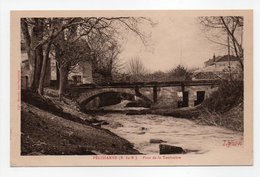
[197,139]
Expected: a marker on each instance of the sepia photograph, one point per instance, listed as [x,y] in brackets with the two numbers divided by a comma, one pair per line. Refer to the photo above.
[131,88]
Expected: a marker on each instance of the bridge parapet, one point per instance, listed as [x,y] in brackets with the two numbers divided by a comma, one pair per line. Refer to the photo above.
[148,84]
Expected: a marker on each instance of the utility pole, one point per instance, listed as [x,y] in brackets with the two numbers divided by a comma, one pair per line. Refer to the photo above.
[181,54]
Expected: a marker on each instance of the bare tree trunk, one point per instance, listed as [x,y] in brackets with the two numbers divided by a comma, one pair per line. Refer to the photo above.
[43,69]
[35,55]
[58,59]
[63,80]
[31,61]
[57,76]
[37,58]
[27,40]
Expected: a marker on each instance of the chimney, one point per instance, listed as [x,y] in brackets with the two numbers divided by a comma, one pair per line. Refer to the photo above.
[214,58]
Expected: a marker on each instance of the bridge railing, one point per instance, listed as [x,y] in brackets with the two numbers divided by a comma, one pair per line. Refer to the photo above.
[147,84]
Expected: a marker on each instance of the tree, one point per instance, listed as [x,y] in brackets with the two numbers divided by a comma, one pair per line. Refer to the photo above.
[105,50]
[38,34]
[70,54]
[157,76]
[226,31]
[105,46]
[42,35]
[179,73]
[136,68]
[32,35]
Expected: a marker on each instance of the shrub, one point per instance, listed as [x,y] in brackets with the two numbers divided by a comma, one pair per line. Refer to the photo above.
[224,107]
[228,95]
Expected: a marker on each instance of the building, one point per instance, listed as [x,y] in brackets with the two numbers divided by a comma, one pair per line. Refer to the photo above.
[25,71]
[222,61]
[81,73]
[218,68]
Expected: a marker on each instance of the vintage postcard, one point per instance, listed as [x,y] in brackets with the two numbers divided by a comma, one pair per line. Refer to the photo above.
[131,88]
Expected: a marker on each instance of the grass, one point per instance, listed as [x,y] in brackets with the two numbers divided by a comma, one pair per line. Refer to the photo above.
[224,107]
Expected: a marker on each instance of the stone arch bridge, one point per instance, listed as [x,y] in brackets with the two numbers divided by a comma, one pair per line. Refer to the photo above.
[177,93]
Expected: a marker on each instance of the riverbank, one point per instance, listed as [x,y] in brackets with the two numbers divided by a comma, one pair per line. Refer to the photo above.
[58,130]
[225,107]
[232,119]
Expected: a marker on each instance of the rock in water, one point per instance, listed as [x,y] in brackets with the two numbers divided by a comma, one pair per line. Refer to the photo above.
[168,149]
[97,124]
[143,128]
[104,122]
[157,141]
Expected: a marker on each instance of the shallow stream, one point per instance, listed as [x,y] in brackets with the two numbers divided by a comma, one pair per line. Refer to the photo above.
[197,139]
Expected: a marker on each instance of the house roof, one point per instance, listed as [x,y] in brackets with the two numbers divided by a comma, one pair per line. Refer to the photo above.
[225,58]
[207,75]
[213,71]
[221,59]
[211,68]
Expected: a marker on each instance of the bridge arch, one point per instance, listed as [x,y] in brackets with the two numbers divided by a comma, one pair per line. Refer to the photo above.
[89,95]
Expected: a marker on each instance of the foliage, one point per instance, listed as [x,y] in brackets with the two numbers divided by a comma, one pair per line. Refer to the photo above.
[105,50]
[41,35]
[224,107]
[138,72]
[232,119]
[136,69]
[157,76]
[72,53]
[228,95]
[180,73]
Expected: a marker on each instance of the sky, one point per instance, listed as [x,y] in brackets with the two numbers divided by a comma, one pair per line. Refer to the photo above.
[174,40]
